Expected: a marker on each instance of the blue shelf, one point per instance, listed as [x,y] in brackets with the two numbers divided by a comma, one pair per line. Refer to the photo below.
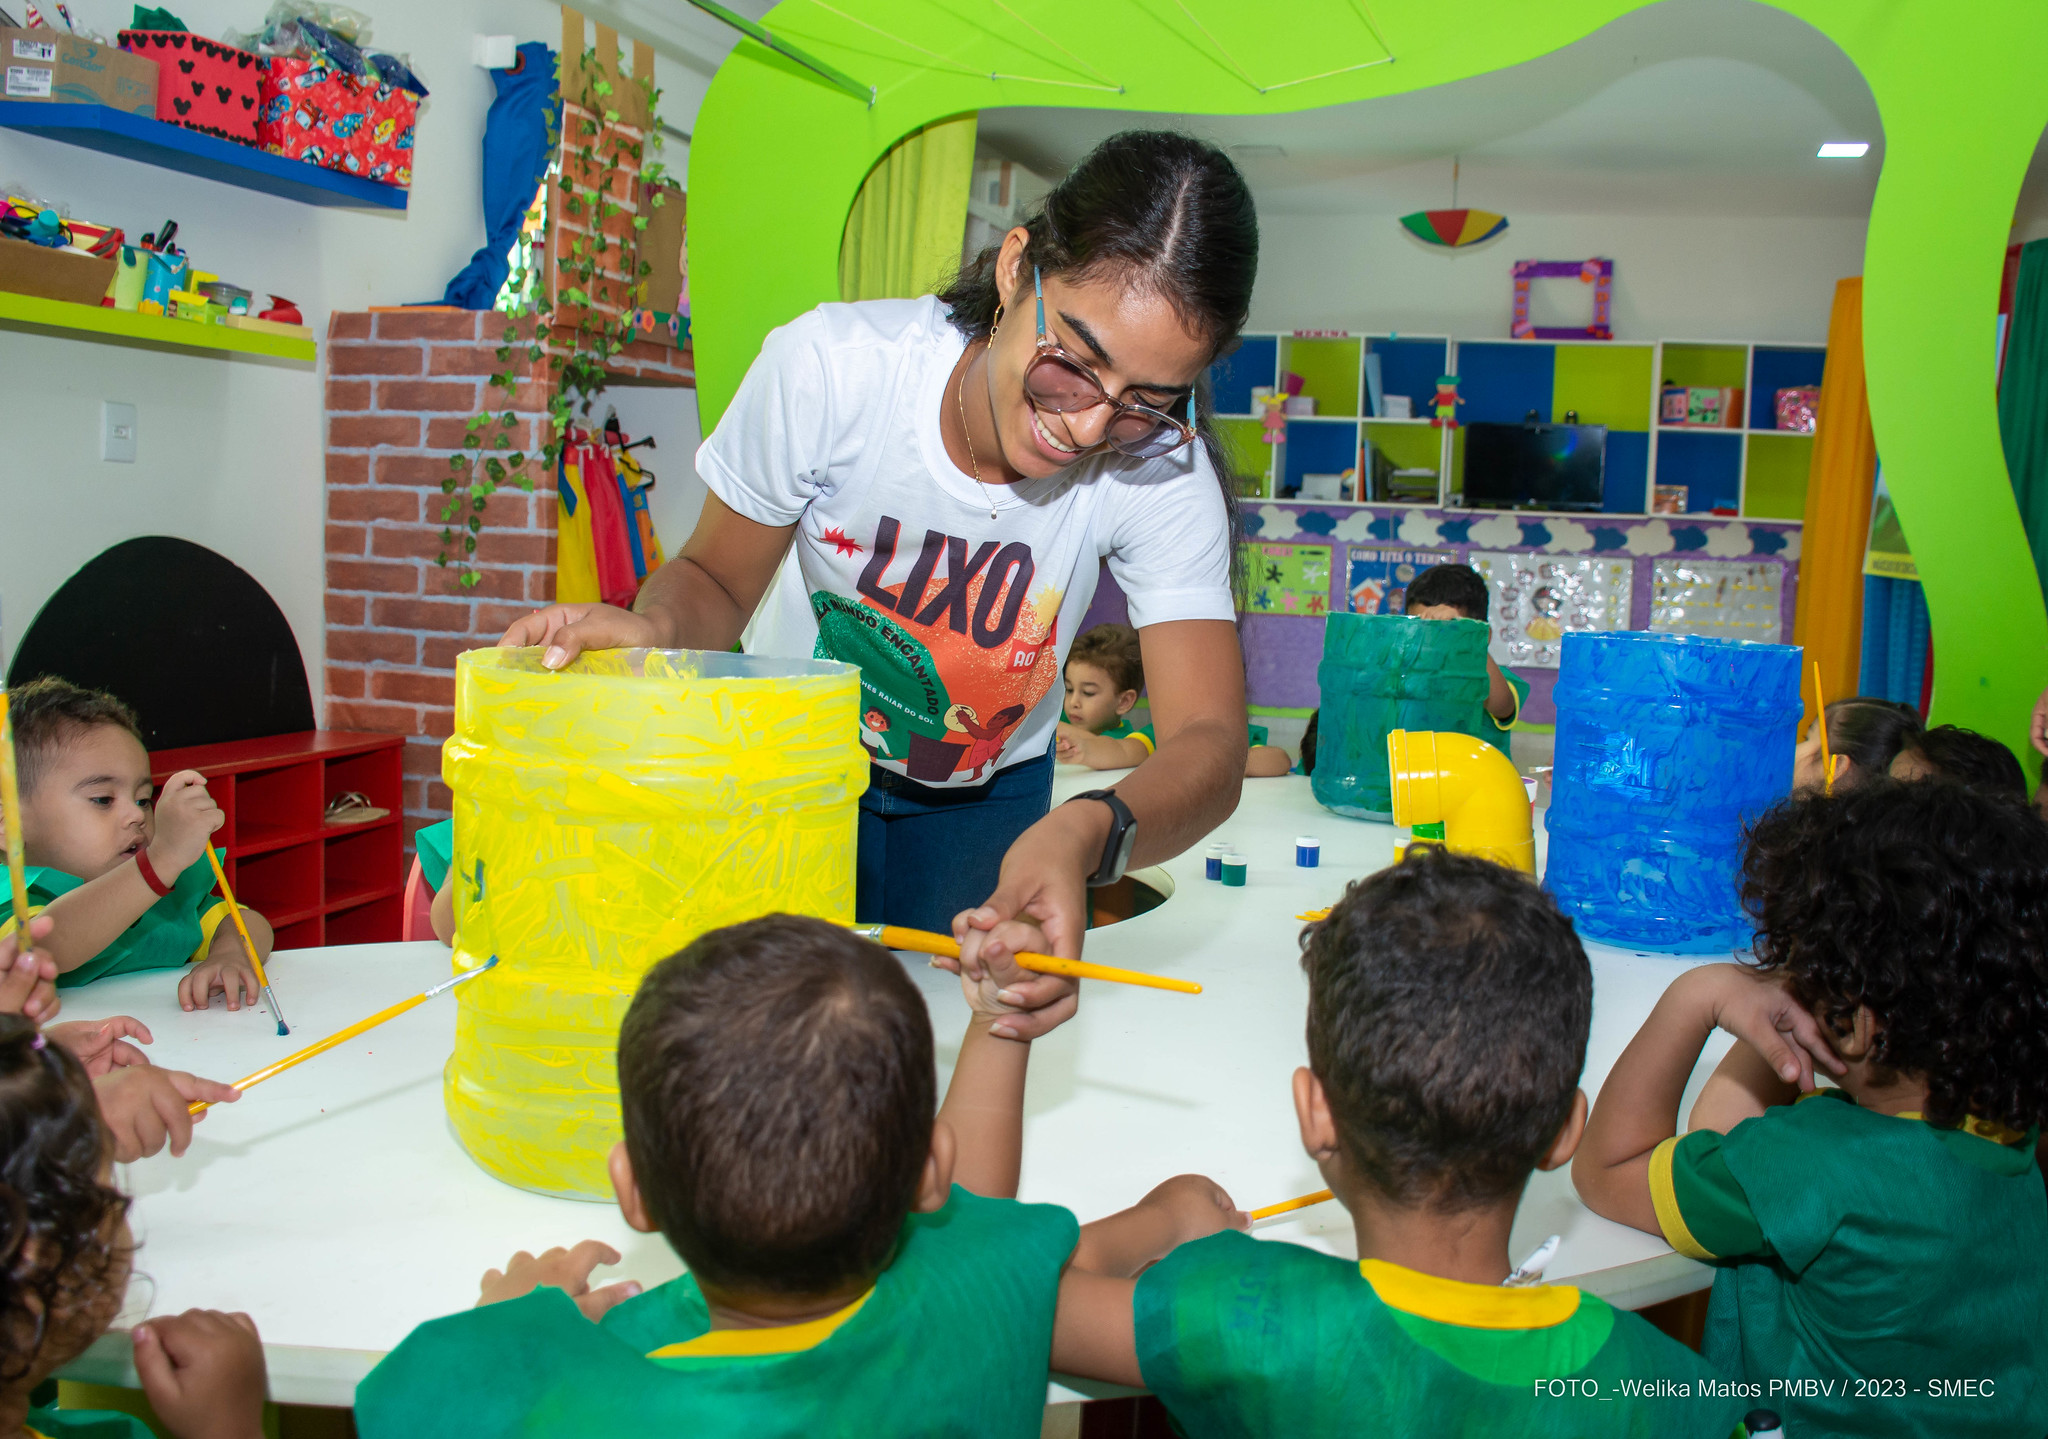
[136,137]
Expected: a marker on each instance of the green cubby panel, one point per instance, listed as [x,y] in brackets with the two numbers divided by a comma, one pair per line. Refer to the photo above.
[1249,454]
[1410,447]
[1607,385]
[1708,366]
[1330,371]
[1778,467]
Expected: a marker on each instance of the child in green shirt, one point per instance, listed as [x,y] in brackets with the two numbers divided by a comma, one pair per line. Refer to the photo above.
[64,1230]
[123,871]
[1885,1240]
[855,1266]
[1104,675]
[1457,592]
[1449,1004]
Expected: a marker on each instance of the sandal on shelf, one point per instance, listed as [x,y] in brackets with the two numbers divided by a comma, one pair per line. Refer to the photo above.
[354,807]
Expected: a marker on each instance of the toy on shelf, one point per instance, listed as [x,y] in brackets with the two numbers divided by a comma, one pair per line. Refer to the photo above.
[282,312]
[1446,403]
[1798,409]
[202,84]
[1597,272]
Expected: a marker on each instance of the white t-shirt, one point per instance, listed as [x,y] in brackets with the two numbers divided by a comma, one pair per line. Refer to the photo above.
[960,623]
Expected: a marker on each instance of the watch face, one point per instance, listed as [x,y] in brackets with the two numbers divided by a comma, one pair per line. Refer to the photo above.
[1123,851]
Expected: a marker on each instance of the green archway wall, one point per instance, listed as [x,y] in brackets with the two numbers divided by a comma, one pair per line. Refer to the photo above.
[778,154]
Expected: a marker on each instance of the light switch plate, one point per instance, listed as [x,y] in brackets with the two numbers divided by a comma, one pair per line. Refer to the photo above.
[494,52]
[117,432]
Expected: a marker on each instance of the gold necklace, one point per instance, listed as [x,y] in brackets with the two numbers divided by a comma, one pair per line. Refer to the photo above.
[972,463]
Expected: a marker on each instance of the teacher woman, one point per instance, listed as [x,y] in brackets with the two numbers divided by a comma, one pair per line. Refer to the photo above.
[924,488]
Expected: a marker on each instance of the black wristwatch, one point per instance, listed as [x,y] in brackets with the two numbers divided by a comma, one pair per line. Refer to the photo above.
[1123,833]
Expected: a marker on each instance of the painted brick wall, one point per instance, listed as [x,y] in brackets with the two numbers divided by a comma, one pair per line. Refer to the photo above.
[401,387]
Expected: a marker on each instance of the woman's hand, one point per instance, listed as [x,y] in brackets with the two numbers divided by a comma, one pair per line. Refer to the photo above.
[569,630]
[1044,880]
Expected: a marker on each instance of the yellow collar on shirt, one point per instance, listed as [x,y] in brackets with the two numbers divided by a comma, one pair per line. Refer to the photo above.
[1989,1129]
[1471,1306]
[777,1339]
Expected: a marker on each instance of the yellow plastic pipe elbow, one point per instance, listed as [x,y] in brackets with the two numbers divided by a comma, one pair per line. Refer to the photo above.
[1467,786]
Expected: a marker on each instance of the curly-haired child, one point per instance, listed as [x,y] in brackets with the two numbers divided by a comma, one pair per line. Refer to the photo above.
[65,1255]
[1886,1238]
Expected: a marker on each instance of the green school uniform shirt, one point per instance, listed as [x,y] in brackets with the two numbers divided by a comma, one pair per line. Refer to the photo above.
[172,933]
[86,1424]
[1492,727]
[435,845]
[1867,1249]
[1254,734]
[1242,1337]
[954,1339]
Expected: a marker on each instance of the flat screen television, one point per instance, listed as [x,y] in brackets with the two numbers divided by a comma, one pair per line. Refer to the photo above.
[1535,467]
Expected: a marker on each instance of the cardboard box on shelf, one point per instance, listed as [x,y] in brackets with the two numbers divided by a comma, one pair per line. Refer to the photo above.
[27,269]
[52,66]
[202,84]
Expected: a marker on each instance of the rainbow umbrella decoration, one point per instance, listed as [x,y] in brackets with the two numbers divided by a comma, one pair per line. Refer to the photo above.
[1454,228]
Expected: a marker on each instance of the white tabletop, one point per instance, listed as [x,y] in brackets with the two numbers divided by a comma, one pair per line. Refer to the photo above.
[335,1205]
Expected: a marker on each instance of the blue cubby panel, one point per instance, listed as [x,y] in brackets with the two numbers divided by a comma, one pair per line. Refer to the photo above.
[1501,383]
[1232,377]
[1624,488]
[1708,465]
[1773,370]
[1411,368]
[1318,447]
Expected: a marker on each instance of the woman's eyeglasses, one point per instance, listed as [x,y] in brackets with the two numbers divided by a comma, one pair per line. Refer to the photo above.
[1056,381]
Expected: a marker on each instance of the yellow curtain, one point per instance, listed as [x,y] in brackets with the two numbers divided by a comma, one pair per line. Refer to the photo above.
[904,232]
[1828,622]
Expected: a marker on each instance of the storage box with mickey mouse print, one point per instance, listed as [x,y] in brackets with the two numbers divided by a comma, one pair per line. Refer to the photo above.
[202,84]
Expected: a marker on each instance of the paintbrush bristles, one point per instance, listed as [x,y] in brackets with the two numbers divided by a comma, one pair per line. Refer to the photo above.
[10,820]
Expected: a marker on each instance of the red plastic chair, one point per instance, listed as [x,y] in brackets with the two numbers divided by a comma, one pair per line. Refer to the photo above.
[418,921]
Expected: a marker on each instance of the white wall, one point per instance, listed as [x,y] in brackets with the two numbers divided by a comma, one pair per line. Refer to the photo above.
[1675,277]
[230,452]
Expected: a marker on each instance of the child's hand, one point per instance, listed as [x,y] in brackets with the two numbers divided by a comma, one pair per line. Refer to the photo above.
[1756,1009]
[101,1045]
[229,972]
[994,983]
[565,1269]
[1066,742]
[1191,1207]
[28,978]
[143,1106]
[186,818]
[204,1375]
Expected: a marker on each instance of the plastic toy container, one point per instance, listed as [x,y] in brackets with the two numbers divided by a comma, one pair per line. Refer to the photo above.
[605,816]
[1381,673]
[1666,746]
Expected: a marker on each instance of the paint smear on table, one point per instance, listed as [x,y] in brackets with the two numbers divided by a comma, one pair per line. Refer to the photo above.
[605,816]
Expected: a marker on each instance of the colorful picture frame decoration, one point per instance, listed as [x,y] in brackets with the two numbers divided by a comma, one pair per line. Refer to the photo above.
[1599,273]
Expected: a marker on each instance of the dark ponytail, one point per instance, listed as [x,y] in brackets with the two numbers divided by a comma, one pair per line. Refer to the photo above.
[1871,732]
[54,1211]
[1171,214]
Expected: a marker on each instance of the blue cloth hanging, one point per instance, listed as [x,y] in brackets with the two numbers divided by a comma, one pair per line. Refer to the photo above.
[527,110]
[1894,639]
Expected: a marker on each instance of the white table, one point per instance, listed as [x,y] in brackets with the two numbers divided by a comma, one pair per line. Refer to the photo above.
[335,1205]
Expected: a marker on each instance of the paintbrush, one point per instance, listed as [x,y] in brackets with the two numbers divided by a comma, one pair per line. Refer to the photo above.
[343,1036]
[922,941]
[10,802]
[1827,755]
[248,944]
[1286,1204]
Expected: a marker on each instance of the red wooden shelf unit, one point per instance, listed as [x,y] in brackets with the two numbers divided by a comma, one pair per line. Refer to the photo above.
[317,883]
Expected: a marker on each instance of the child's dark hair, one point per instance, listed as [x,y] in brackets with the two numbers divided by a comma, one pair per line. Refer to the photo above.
[1114,650]
[1458,586]
[1174,214]
[1871,732]
[1309,736]
[1449,1003]
[55,1213]
[778,1090]
[1928,903]
[48,713]
[1972,759]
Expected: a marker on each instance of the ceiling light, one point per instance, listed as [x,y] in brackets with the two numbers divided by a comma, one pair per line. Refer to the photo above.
[1844,150]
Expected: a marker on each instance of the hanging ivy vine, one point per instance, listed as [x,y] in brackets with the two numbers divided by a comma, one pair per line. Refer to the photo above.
[575,359]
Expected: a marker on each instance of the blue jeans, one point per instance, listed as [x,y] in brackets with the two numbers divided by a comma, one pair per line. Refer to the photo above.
[926,854]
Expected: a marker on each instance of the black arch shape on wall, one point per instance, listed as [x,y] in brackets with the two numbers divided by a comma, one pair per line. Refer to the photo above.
[186,636]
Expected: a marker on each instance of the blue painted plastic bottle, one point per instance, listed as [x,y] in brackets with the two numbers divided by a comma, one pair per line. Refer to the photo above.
[1382,673]
[1666,746]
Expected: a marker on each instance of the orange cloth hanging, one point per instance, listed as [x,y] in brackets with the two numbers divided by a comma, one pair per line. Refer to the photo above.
[1828,622]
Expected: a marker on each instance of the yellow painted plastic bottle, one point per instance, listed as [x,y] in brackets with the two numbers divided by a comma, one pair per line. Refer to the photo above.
[605,816]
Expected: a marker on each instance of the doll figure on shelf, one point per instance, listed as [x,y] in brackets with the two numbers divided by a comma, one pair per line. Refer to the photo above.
[1446,402]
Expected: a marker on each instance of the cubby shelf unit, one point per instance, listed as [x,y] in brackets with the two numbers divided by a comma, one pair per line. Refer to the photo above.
[1756,470]
[317,883]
